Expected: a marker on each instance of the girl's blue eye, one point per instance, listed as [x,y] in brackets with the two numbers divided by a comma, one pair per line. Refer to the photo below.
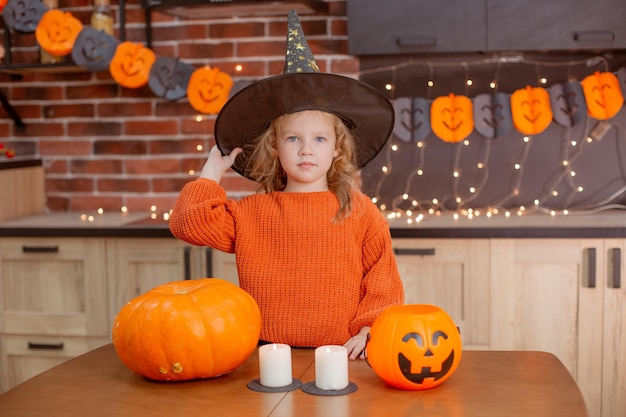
[292,138]
[320,139]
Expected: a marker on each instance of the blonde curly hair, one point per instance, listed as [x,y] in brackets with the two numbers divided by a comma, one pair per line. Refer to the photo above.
[265,168]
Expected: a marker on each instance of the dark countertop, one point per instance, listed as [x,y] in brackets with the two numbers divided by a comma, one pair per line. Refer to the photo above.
[19,163]
[138,224]
[607,224]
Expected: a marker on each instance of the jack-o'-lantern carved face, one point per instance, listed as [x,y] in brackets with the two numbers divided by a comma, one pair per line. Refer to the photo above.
[492,115]
[412,118]
[169,78]
[414,346]
[208,89]
[131,64]
[57,31]
[603,95]
[451,117]
[568,103]
[531,110]
[23,16]
[94,49]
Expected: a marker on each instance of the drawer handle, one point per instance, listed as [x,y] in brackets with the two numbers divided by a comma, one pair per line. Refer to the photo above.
[590,257]
[594,36]
[40,249]
[187,258]
[414,251]
[616,268]
[45,346]
[416,41]
[209,261]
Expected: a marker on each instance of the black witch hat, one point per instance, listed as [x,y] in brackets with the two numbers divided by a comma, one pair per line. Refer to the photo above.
[365,111]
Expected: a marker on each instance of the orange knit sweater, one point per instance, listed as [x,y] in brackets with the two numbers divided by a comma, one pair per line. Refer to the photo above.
[316,282]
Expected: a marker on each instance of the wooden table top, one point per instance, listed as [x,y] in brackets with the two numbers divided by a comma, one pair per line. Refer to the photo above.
[486,383]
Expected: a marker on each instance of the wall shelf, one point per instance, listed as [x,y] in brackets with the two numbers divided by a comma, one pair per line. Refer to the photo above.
[203,9]
[17,69]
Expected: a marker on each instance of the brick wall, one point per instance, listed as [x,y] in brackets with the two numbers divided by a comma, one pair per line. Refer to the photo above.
[106,146]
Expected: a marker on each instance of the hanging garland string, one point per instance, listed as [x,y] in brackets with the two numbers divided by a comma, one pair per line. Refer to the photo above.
[132,65]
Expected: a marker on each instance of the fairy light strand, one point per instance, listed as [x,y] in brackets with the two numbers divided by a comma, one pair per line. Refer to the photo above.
[462,191]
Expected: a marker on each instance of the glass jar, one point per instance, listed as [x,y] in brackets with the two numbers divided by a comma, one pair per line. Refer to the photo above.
[102,17]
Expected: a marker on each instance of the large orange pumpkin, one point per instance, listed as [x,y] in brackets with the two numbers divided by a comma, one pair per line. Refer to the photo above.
[603,95]
[57,31]
[451,117]
[531,110]
[187,330]
[414,346]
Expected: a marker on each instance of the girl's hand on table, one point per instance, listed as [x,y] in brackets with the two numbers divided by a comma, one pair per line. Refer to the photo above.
[356,344]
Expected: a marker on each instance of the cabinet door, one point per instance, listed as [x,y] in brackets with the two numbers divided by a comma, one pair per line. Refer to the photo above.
[23,357]
[415,26]
[224,266]
[540,25]
[452,274]
[138,265]
[546,294]
[614,352]
[53,286]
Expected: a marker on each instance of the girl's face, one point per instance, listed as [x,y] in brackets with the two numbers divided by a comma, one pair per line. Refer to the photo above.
[306,148]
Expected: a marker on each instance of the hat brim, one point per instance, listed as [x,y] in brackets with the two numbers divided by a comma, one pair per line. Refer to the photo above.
[365,110]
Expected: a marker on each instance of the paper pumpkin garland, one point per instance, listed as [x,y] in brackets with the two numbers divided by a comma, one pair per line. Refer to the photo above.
[451,117]
[131,64]
[568,103]
[531,111]
[412,118]
[207,90]
[492,115]
[603,95]
[57,31]
[169,78]
[94,49]
[23,16]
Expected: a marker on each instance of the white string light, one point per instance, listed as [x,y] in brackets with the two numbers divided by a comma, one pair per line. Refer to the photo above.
[564,185]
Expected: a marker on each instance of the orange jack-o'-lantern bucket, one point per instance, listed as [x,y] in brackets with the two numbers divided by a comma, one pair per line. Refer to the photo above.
[414,346]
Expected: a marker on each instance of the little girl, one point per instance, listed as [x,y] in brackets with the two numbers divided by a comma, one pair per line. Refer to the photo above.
[311,248]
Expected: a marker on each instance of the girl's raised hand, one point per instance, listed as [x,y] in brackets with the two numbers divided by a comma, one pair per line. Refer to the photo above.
[216,164]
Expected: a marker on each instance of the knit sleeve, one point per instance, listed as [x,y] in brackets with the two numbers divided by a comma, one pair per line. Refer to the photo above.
[381,285]
[202,216]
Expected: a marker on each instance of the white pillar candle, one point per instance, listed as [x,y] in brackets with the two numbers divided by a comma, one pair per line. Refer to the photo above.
[331,367]
[275,365]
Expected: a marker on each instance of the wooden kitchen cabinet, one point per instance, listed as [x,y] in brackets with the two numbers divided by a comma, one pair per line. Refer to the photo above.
[137,265]
[53,303]
[453,274]
[224,266]
[557,295]
[614,337]
[406,27]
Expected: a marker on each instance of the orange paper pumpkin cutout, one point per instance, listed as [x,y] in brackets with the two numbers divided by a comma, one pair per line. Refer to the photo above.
[131,64]
[208,89]
[531,110]
[603,95]
[451,117]
[414,346]
[57,31]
